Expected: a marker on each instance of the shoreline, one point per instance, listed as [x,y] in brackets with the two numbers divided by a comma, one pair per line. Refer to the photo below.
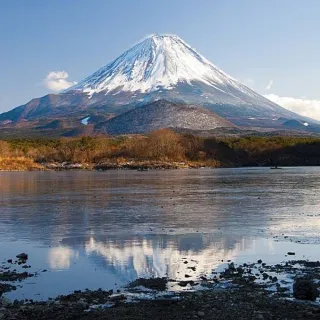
[241,303]
[239,292]
[105,166]
[138,166]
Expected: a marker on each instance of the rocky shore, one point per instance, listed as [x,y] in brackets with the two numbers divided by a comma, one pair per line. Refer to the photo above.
[233,303]
[116,165]
[129,165]
[249,291]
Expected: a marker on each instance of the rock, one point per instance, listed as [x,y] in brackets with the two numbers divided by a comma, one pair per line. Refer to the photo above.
[16,302]
[117,298]
[158,284]
[240,270]
[304,289]
[231,266]
[22,256]
[185,283]
[252,278]
[2,313]
[259,316]
[259,261]
[4,287]
[192,268]
[82,303]
[201,314]
[291,253]
[4,302]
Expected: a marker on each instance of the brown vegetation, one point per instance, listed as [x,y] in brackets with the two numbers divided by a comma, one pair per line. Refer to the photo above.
[18,164]
[163,146]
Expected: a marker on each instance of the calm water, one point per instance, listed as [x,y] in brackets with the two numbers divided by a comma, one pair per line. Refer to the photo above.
[104,229]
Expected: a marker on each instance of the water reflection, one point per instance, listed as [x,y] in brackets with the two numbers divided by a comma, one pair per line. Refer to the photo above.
[159,255]
[60,257]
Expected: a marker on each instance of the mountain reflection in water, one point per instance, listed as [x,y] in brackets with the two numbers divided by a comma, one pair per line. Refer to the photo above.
[153,256]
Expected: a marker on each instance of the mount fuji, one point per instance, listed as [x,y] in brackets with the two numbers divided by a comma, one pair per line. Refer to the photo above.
[161,67]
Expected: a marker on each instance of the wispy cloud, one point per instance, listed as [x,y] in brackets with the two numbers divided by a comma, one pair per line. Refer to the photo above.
[305,107]
[269,85]
[57,81]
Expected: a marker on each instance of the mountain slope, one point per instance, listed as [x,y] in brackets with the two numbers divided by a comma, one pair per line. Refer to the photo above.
[158,62]
[161,67]
[165,67]
[163,114]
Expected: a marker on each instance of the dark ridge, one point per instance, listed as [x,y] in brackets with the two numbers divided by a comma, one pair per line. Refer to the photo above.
[163,114]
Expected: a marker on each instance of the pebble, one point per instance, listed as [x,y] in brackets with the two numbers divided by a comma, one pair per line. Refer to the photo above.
[201,314]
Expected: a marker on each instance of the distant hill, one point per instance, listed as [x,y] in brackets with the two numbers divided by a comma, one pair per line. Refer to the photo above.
[163,114]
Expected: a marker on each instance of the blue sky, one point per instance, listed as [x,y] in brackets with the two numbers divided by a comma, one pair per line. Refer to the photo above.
[271,45]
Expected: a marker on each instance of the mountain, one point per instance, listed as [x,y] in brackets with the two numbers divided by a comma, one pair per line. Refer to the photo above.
[161,67]
[162,114]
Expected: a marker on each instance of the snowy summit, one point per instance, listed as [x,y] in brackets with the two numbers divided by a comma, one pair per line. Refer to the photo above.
[159,61]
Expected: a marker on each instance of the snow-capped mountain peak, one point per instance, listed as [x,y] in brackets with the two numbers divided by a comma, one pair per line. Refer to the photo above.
[159,68]
[159,61]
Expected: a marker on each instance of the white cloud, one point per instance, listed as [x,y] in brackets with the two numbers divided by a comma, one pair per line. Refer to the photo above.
[269,85]
[305,107]
[57,81]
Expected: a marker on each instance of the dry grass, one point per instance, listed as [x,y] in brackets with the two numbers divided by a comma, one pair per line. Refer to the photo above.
[18,164]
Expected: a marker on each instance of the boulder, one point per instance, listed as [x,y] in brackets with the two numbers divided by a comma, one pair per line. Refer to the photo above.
[304,289]
[22,256]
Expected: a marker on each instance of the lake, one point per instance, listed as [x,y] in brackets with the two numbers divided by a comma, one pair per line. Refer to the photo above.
[105,229]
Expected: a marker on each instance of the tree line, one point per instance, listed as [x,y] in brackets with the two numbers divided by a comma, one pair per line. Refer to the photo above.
[166,145]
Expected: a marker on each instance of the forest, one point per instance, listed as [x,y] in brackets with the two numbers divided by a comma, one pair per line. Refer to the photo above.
[162,148]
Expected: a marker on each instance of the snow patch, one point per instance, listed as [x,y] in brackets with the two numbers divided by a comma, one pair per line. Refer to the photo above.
[85,121]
